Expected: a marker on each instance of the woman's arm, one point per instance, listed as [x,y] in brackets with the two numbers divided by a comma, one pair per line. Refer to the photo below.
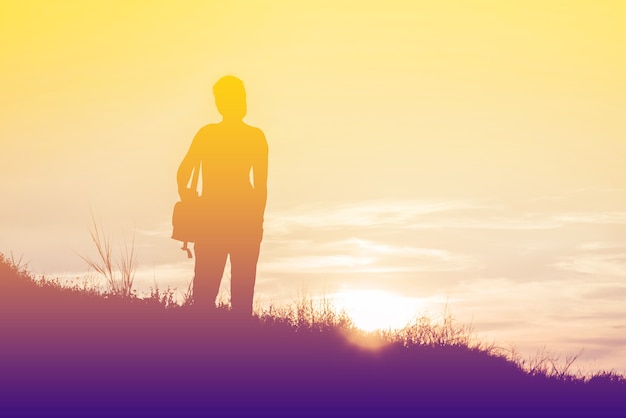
[259,170]
[191,160]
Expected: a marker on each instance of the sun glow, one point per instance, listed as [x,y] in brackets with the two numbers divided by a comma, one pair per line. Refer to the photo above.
[372,309]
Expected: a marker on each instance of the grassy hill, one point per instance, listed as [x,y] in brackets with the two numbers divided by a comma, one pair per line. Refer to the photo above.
[77,352]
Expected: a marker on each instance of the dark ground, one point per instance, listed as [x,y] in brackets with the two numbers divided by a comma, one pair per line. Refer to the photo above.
[70,353]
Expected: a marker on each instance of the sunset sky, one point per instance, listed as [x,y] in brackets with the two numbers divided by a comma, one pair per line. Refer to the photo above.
[422,153]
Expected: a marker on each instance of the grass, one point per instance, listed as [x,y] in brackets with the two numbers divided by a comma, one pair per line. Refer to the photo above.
[118,272]
[73,351]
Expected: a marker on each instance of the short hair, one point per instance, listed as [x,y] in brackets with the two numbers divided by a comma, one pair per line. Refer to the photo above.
[229,86]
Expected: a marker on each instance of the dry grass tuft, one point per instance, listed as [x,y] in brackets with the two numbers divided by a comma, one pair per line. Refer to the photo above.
[119,273]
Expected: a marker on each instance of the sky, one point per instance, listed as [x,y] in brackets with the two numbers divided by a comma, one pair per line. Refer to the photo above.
[424,155]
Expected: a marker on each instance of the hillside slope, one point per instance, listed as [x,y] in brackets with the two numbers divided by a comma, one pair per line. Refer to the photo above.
[70,352]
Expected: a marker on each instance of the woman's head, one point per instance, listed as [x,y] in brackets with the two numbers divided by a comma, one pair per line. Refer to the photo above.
[230,97]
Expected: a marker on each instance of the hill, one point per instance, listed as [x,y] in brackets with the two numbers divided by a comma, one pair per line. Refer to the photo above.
[77,352]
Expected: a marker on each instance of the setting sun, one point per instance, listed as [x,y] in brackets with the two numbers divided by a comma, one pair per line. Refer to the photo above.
[373,309]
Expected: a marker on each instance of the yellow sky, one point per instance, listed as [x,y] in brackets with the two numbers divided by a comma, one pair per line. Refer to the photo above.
[355,97]
[504,118]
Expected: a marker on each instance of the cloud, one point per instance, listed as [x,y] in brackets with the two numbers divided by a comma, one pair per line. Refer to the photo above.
[595,264]
[601,246]
[602,217]
[321,263]
[378,213]
[410,214]
[521,222]
[356,255]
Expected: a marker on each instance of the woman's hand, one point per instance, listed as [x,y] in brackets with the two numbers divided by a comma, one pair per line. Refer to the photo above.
[187,194]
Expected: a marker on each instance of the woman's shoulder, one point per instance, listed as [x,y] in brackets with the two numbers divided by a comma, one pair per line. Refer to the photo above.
[208,128]
[253,130]
[257,136]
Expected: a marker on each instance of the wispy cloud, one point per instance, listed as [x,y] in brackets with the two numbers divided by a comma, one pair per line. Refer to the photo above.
[356,255]
[411,214]
[595,264]
[602,246]
[487,221]
[366,214]
[615,217]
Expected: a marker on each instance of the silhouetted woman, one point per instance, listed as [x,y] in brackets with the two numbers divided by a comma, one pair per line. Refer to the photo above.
[233,157]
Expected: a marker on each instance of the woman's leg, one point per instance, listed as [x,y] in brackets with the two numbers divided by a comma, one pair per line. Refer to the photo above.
[243,260]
